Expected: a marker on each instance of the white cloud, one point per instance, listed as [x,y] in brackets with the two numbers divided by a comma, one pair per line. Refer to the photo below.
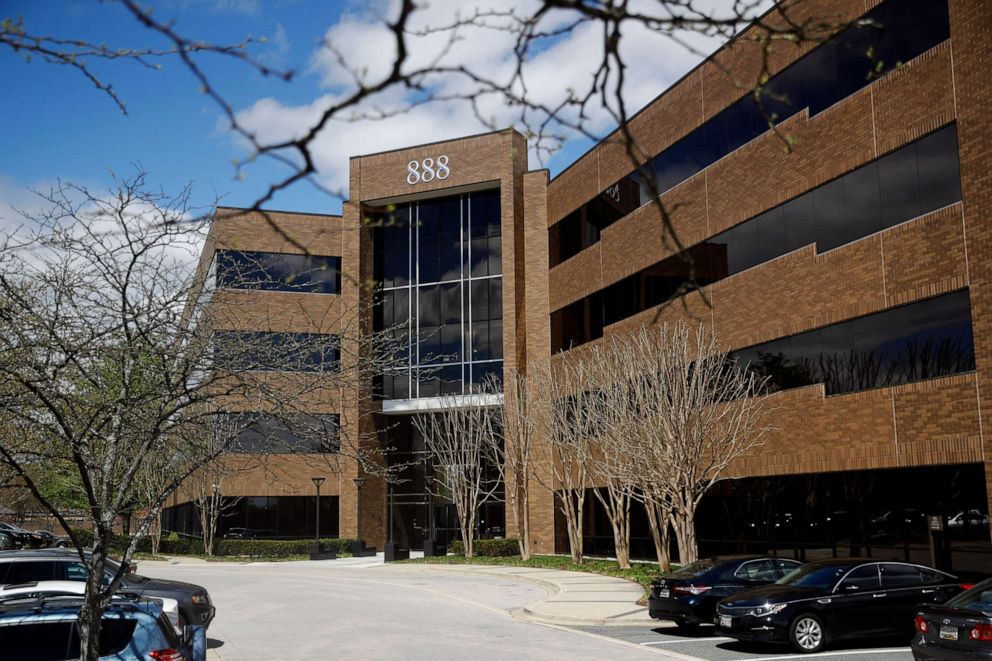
[360,44]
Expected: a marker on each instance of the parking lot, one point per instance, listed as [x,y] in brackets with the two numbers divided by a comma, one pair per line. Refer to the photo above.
[705,645]
[304,610]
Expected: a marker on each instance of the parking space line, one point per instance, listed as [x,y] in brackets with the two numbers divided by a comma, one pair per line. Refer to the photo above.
[886,650]
[685,640]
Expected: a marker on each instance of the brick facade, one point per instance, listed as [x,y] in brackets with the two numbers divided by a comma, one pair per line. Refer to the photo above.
[939,421]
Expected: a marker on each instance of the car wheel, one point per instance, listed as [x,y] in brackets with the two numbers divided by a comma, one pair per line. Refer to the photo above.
[807,634]
[685,625]
[62,545]
[6,542]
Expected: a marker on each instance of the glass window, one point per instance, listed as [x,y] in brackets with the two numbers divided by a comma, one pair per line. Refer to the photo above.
[900,576]
[828,206]
[32,570]
[786,566]
[887,37]
[757,570]
[278,272]
[862,202]
[899,187]
[862,578]
[938,169]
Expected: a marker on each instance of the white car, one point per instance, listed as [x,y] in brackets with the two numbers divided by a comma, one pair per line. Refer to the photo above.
[169,606]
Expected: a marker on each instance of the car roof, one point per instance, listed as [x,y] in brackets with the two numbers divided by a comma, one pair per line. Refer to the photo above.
[39,553]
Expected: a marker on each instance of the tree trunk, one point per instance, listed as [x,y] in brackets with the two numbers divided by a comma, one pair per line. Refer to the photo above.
[658,522]
[572,509]
[684,523]
[156,535]
[617,508]
[525,528]
[91,612]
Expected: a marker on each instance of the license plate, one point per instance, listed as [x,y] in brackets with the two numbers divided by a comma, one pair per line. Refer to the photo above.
[948,633]
[725,621]
[663,593]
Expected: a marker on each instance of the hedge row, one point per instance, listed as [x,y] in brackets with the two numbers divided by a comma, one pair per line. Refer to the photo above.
[173,545]
[493,548]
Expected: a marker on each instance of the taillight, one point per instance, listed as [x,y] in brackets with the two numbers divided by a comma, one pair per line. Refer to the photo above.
[966,586]
[921,624]
[692,589]
[982,632]
[167,655]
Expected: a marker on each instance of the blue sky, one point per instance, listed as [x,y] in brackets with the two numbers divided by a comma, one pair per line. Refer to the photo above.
[57,125]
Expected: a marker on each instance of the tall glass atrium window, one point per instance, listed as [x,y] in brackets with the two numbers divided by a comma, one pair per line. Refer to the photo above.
[439,265]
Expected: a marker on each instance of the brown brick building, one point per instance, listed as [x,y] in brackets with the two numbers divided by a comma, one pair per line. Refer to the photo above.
[854,270]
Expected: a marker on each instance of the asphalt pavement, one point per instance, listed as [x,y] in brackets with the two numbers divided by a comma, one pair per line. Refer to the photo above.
[360,607]
[703,644]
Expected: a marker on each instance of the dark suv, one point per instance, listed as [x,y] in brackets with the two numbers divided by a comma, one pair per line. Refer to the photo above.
[64,565]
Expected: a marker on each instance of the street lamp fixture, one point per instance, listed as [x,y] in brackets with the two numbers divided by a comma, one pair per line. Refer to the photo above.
[317,481]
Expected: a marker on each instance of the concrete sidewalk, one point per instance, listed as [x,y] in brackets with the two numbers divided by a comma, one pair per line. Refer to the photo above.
[573,598]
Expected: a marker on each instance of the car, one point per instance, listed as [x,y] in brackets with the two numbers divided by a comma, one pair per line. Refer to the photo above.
[23,566]
[828,600]
[959,629]
[21,537]
[44,628]
[169,606]
[969,520]
[54,541]
[689,595]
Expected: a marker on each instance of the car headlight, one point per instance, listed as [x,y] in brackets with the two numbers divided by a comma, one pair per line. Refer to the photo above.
[767,609]
[201,599]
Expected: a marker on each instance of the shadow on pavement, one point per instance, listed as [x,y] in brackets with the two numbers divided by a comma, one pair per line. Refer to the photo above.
[690,633]
[771,649]
[213,643]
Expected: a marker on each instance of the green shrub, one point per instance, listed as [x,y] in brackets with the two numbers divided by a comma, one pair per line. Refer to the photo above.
[492,548]
[276,548]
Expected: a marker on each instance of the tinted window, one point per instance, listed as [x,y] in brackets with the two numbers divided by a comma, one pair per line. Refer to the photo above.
[447,314]
[257,350]
[787,566]
[757,570]
[115,634]
[697,568]
[817,577]
[39,641]
[259,432]
[871,198]
[900,576]
[978,598]
[849,61]
[862,578]
[914,342]
[278,272]
[33,570]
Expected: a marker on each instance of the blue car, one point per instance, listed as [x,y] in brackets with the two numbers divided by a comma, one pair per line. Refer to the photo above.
[45,628]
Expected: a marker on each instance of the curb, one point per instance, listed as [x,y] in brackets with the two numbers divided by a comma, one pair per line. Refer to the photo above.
[551,589]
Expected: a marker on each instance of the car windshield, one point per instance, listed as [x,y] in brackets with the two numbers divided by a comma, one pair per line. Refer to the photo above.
[979,598]
[819,577]
[696,568]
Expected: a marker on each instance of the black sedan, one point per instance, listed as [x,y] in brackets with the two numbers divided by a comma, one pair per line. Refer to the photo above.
[20,537]
[833,599]
[689,596]
[959,629]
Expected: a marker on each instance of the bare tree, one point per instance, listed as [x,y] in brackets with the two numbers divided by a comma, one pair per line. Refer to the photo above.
[511,444]
[117,348]
[426,66]
[459,440]
[566,415]
[699,413]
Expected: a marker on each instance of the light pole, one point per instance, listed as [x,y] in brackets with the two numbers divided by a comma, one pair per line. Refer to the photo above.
[317,481]
[359,482]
